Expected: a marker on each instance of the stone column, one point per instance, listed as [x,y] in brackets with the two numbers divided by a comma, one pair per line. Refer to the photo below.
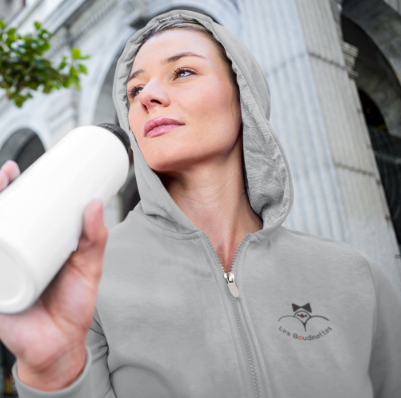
[317,115]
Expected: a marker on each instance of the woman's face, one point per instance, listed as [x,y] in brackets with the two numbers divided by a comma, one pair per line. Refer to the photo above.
[180,76]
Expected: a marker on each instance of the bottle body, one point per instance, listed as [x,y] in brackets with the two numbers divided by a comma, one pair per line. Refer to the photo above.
[41,213]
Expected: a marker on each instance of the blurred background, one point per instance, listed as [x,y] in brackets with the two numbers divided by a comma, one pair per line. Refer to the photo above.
[334,69]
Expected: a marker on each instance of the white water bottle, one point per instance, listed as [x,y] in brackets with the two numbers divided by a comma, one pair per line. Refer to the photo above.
[41,212]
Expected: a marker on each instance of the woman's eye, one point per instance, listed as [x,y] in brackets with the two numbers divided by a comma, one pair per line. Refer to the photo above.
[135,91]
[182,73]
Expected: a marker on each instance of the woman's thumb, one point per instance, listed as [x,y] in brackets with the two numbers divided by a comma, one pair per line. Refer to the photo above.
[93,240]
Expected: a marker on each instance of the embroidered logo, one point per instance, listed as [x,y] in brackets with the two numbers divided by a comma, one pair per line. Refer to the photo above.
[303,314]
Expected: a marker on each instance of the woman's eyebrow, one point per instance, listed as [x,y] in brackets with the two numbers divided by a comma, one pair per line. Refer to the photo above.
[180,55]
[135,74]
[166,61]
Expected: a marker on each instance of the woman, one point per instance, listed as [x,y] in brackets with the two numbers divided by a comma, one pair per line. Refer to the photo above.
[204,293]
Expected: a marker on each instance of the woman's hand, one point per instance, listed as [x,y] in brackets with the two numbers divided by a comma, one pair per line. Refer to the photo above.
[48,339]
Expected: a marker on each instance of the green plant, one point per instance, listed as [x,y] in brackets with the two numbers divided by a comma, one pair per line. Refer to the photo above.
[23,69]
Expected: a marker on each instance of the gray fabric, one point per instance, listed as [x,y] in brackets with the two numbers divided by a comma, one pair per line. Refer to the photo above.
[166,324]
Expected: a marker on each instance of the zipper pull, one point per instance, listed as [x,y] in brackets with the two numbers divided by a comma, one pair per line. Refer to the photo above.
[229,277]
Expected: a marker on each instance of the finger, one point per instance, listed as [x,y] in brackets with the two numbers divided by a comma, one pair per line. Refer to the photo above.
[89,255]
[4,180]
[93,220]
[11,169]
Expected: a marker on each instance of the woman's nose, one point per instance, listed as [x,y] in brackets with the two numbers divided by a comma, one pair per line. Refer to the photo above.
[153,95]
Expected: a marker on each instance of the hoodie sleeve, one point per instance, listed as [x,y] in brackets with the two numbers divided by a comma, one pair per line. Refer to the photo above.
[94,381]
[385,361]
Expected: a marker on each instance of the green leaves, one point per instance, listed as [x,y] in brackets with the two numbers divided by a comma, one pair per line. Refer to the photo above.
[75,53]
[63,63]
[82,68]
[23,69]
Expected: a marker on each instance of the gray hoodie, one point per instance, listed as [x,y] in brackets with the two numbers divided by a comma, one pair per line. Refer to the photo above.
[313,318]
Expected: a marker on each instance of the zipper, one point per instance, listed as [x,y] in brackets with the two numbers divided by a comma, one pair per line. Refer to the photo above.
[230,279]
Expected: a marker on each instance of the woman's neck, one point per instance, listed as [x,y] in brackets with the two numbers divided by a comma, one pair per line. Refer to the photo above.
[214,198]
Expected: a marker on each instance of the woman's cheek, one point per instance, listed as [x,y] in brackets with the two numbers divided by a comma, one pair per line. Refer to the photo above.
[134,123]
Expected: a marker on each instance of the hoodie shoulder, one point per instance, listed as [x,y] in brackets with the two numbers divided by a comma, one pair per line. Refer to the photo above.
[316,243]
[331,253]
[126,231]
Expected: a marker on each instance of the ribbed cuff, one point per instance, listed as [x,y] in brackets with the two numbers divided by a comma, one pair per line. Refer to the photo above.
[79,388]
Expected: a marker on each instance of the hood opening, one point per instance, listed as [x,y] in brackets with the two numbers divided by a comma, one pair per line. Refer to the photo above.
[266,170]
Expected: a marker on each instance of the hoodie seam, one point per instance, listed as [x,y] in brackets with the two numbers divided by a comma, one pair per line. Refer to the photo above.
[323,238]
[249,324]
[167,232]
[229,313]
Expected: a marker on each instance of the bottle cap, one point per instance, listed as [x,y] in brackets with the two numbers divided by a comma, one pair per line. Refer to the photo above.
[122,135]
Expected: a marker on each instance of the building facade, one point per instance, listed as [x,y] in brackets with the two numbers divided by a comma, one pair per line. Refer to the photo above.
[334,69]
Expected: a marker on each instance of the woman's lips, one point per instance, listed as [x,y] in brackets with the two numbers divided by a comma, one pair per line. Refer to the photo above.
[161,130]
[160,126]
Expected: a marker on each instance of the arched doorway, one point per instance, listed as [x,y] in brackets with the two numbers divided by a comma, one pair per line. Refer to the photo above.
[387,150]
[379,91]
[23,146]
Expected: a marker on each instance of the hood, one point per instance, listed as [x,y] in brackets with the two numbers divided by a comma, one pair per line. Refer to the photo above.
[267,174]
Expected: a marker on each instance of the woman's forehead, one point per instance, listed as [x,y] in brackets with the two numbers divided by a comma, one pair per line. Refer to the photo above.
[172,42]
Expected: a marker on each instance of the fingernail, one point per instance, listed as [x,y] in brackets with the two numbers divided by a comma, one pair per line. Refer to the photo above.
[101,209]
[3,180]
[101,214]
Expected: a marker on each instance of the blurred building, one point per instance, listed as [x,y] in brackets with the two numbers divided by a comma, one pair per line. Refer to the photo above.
[334,69]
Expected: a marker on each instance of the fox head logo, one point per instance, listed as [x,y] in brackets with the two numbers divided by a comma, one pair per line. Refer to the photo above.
[303,314]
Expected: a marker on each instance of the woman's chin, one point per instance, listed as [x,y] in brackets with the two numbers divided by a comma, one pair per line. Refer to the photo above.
[169,167]
[170,157]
